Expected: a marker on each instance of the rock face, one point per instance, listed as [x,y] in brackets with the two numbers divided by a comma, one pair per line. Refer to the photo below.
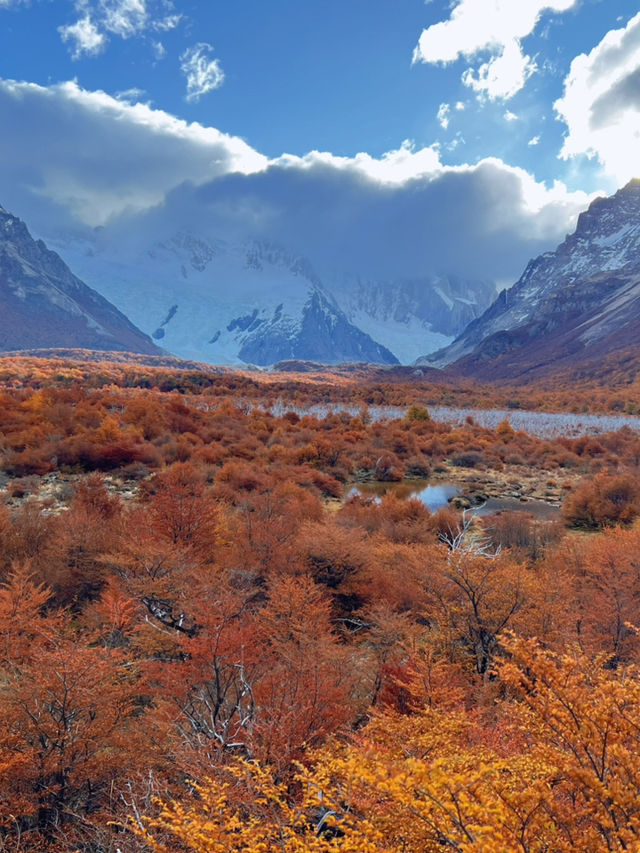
[44,305]
[228,303]
[412,316]
[323,335]
[570,305]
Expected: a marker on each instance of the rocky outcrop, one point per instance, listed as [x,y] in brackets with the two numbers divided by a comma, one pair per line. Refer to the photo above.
[323,335]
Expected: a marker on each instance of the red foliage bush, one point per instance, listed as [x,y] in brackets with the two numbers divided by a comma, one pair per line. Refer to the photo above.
[606,499]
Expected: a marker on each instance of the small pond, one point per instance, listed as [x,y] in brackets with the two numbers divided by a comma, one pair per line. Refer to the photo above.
[432,496]
[539,509]
[436,496]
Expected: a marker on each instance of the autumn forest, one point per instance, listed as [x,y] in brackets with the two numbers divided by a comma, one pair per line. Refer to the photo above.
[212,639]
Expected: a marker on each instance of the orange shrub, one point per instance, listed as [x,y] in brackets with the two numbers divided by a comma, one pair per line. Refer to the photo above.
[605,499]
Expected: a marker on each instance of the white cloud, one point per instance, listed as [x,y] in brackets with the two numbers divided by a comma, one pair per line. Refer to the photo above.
[121,18]
[509,116]
[535,140]
[444,114]
[84,37]
[133,95]
[460,105]
[345,215]
[395,167]
[159,50]
[203,73]
[497,26]
[457,140]
[145,174]
[502,76]
[124,18]
[601,103]
[132,154]
[476,25]
[169,22]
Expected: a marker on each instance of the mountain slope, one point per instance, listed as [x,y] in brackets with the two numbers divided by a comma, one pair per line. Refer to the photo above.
[227,303]
[235,301]
[412,316]
[42,304]
[569,305]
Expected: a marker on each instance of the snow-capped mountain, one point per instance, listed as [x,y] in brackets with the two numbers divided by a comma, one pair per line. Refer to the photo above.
[412,316]
[252,301]
[226,303]
[45,305]
[582,298]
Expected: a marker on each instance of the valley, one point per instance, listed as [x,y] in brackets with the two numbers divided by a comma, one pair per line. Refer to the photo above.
[236,576]
[302,558]
[319,426]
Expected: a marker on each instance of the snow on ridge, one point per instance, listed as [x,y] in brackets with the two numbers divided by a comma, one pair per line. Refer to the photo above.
[215,302]
[615,237]
[447,301]
[404,339]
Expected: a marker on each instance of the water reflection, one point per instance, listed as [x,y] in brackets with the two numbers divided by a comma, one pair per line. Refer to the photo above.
[436,496]
[433,497]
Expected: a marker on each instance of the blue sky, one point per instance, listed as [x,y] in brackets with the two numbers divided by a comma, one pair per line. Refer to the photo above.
[114,106]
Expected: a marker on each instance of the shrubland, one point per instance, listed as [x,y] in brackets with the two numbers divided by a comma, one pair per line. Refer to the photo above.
[206,646]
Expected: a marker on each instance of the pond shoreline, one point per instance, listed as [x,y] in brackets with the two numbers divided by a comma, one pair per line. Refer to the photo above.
[516,482]
[515,487]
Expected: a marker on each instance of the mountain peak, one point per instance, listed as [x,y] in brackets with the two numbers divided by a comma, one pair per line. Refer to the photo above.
[608,219]
[229,302]
[45,305]
[584,296]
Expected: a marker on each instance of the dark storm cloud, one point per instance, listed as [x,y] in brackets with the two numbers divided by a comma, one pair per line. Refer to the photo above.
[475,222]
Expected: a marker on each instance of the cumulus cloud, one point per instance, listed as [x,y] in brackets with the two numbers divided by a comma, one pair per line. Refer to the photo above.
[498,26]
[104,155]
[476,25]
[203,72]
[502,76]
[84,37]
[143,174]
[601,103]
[394,167]
[484,220]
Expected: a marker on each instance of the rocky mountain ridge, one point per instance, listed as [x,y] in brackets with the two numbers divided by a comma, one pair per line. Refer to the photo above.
[412,315]
[582,297]
[45,305]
